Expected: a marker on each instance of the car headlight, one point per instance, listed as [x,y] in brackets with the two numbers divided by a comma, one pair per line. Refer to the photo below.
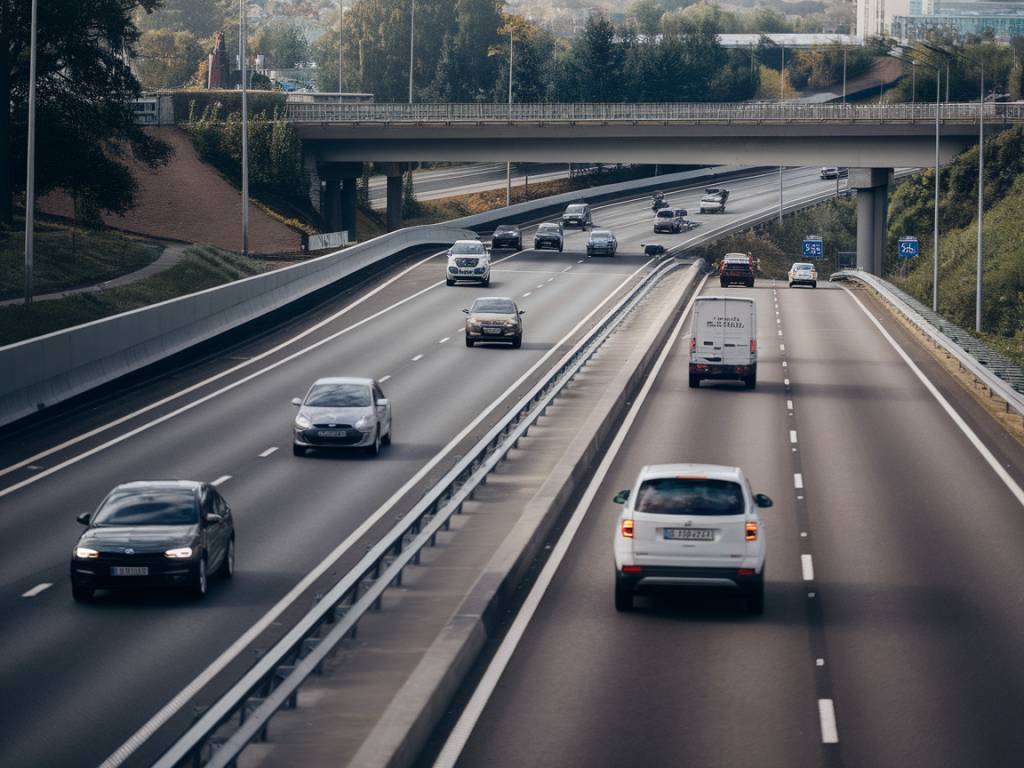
[474,326]
[365,422]
[302,421]
[179,553]
[84,553]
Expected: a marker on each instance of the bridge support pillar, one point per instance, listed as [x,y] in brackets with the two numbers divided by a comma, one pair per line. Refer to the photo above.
[338,196]
[394,173]
[872,185]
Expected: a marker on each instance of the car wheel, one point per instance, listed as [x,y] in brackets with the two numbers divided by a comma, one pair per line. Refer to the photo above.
[200,583]
[519,246]
[750,284]
[227,568]
[694,381]
[486,283]
[724,283]
[298,450]
[81,593]
[623,595]
[750,382]
[517,342]
[590,253]
[560,247]
[374,448]
[755,598]
[814,284]
[469,342]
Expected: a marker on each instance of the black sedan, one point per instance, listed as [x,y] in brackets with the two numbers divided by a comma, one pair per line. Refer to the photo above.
[163,533]
[507,236]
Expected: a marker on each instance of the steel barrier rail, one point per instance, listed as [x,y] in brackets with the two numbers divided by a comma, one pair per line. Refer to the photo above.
[274,680]
[996,385]
[1012,112]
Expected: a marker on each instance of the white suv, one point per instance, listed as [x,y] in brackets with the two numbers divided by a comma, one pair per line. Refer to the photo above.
[690,525]
[468,260]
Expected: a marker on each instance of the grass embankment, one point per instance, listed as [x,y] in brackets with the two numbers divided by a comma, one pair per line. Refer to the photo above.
[202,267]
[66,257]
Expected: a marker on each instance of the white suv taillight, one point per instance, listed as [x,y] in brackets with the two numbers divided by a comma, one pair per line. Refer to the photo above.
[627,528]
[751,531]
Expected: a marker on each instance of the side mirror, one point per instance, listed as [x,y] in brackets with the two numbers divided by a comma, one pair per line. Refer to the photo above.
[621,497]
[83,517]
[762,501]
[465,311]
[296,401]
[213,518]
[522,311]
[383,402]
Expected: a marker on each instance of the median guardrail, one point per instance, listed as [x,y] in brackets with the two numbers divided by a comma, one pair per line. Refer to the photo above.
[274,680]
[1003,378]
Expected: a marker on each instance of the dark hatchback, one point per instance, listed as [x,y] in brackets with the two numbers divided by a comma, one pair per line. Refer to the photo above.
[163,533]
[507,236]
[736,271]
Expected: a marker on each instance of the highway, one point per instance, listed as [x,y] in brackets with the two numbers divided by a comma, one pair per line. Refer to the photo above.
[435,183]
[891,634]
[102,671]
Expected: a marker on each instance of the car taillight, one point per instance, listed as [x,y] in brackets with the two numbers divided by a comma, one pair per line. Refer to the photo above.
[693,344]
[627,528]
[751,529]
[753,346]
[744,571]
[631,569]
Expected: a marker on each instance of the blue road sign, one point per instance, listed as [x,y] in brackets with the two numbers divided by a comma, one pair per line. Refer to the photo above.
[814,248]
[909,247]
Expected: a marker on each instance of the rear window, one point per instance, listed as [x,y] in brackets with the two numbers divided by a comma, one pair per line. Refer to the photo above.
[690,496]
[149,507]
[803,266]
[665,214]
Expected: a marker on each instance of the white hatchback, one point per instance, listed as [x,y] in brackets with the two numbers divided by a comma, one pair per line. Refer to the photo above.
[690,525]
[802,273]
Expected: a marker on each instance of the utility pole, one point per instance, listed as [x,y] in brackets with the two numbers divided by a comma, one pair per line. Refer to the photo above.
[508,164]
[935,232]
[30,178]
[412,45]
[981,200]
[781,168]
[243,31]
[844,75]
[782,76]
[341,28]
[913,87]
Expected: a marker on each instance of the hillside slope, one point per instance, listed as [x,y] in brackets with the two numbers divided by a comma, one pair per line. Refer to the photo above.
[188,200]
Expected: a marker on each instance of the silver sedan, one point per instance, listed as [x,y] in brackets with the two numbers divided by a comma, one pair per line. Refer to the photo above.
[342,412]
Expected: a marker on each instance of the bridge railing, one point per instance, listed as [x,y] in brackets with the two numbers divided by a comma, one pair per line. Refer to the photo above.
[652,113]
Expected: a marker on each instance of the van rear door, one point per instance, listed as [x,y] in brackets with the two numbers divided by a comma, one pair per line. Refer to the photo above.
[739,327]
[707,332]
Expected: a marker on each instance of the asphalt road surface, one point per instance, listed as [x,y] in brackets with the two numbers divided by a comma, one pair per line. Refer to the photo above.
[893,622]
[80,679]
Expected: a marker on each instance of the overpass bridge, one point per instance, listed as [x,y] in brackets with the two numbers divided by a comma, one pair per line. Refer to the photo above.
[870,138]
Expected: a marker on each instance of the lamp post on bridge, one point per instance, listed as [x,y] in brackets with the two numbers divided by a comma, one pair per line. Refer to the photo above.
[243,31]
[30,176]
[508,164]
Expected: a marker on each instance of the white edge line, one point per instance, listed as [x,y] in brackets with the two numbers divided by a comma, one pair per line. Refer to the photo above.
[807,567]
[37,589]
[827,716]
[165,713]
[986,454]
[460,734]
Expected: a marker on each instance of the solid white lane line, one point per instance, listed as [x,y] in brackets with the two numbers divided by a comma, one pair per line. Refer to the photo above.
[269,451]
[798,480]
[382,379]
[789,405]
[37,589]
[418,357]
[986,454]
[827,715]
[807,567]
[221,480]
[445,339]
[792,436]
[492,675]
[173,706]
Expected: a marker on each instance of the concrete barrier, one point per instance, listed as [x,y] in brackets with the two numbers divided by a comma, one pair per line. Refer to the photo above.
[40,372]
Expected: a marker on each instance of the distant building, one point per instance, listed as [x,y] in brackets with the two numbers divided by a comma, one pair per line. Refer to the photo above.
[1003,25]
[875,17]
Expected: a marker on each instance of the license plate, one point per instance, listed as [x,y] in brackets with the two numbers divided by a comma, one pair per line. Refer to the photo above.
[133,570]
[690,534]
[492,330]
[332,433]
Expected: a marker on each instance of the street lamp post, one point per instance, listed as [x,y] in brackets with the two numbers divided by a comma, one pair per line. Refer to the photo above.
[844,75]
[981,199]
[913,87]
[245,128]
[508,164]
[30,177]
[341,57]
[412,45]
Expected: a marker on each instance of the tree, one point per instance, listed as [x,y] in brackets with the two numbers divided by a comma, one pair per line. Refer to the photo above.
[477,32]
[282,43]
[84,89]
[533,49]
[593,68]
[200,17]
[167,59]
[647,16]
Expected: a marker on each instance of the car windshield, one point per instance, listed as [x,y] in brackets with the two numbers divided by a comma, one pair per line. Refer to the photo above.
[173,506]
[803,266]
[690,496]
[505,229]
[547,228]
[464,248]
[575,209]
[338,396]
[494,306]
[665,214]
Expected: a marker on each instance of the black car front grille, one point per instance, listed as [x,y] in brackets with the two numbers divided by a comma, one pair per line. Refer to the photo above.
[327,425]
[149,559]
[466,262]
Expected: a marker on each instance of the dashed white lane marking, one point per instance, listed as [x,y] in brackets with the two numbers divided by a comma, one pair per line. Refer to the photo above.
[541,285]
[460,330]
[798,480]
[418,357]
[269,451]
[37,589]
[33,467]
[782,347]
[526,294]
[785,364]
[221,480]
[567,268]
[807,567]
[445,339]
[382,379]
[792,436]
[550,279]
[827,715]
[789,405]
[778,320]
[780,331]
[785,382]
[819,662]
[580,261]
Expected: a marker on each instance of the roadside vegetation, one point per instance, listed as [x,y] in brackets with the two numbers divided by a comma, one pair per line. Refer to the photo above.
[66,256]
[202,267]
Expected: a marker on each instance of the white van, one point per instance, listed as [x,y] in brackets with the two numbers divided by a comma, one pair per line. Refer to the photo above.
[723,341]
